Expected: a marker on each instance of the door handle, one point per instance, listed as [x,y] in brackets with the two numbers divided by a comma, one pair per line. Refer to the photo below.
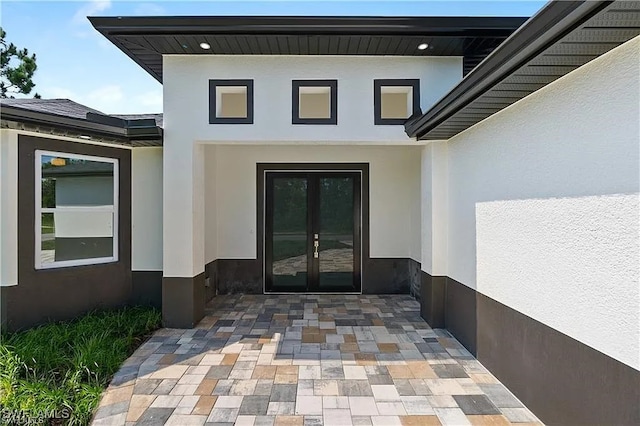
[316,244]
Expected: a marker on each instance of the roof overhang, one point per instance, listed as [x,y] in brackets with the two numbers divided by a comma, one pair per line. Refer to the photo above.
[97,127]
[146,39]
[563,36]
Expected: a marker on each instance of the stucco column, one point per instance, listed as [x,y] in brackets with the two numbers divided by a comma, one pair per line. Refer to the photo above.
[183,231]
[8,216]
[434,205]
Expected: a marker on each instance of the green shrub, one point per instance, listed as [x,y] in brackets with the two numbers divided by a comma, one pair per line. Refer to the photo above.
[63,367]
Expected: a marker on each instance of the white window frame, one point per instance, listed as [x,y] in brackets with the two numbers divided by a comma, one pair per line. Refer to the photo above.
[39,210]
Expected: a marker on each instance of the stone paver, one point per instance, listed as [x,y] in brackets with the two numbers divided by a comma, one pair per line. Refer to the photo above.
[307,360]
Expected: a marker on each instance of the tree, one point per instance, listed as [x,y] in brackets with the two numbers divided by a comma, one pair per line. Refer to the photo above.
[16,69]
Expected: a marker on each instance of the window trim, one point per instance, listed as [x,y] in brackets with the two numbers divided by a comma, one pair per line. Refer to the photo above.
[413,83]
[295,101]
[213,118]
[39,210]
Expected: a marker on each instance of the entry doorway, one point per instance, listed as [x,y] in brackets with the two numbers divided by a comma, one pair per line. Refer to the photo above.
[313,226]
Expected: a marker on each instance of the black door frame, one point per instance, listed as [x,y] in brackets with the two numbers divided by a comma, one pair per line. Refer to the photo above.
[302,168]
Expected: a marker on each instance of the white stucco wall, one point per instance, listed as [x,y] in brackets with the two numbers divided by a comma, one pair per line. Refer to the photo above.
[434,208]
[187,133]
[211,182]
[543,205]
[146,209]
[394,195]
[186,94]
[8,207]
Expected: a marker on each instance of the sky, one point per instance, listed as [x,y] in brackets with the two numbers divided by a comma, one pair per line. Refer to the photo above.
[78,63]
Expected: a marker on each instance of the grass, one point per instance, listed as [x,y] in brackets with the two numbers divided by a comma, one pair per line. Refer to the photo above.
[48,223]
[48,245]
[61,369]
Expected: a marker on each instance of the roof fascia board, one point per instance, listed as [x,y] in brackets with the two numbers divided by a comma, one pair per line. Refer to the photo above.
[553,22]
[160,25]
[21,114]
[54,120]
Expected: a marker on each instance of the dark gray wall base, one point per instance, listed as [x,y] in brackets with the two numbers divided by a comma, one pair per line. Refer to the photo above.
[559,378]
[146,288]
[460,309]
[183,301]
[432,299]
[3,309]
[233,276]
[382,275]
[415,277]
[210,280]
[562,380]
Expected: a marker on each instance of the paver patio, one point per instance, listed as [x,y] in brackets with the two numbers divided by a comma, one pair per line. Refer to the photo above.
[307,360]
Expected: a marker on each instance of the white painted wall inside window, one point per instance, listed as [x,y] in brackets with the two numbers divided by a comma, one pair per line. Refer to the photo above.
[84,224]
[186,97]
[394,195]
[146,209]
[543,205]
[8,207]
[84,191]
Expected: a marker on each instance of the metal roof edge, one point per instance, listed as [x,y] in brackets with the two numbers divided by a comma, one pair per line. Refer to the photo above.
[551,23]
[373,25]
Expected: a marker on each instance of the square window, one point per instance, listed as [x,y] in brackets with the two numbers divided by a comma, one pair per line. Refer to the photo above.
[230,101]
[314,102]
[76,210]
[396,100]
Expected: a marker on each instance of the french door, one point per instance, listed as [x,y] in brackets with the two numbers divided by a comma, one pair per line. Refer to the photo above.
[312,231]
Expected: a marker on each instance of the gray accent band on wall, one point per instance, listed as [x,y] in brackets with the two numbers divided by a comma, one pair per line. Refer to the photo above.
[562,380]
[386,276]
[146,288]
[63,293]
[432,297]
[183,301]
[460,313]
[233,276]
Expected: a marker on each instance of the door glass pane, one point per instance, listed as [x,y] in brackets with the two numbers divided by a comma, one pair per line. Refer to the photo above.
[290,233]
[336,232]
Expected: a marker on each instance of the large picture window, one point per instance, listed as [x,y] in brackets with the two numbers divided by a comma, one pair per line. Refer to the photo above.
[76,210]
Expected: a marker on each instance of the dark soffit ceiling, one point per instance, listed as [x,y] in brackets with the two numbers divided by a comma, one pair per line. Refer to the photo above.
[146,39]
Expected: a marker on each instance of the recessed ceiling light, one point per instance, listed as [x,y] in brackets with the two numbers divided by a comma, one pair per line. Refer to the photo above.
[205,46]
[423,46]
[84,137]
